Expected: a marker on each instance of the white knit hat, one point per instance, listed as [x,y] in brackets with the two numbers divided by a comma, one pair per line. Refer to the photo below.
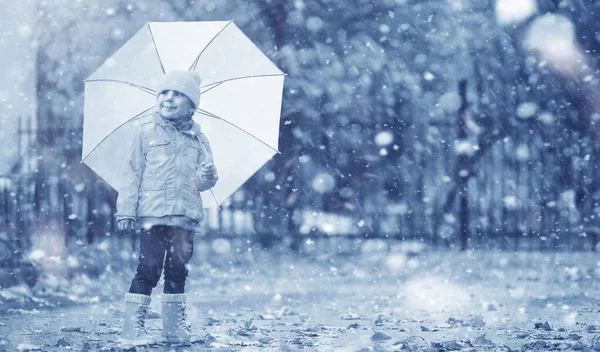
[185,82]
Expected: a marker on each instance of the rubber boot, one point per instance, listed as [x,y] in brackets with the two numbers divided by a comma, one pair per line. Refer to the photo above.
[134,328]
[175,327]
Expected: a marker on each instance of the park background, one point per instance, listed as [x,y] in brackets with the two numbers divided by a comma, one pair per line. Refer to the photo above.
[409,128]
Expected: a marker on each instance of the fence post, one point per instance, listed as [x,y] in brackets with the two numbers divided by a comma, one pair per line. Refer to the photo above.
[6,209]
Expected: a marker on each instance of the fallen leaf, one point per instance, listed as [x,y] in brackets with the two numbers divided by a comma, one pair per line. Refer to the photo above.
[28,347]
[596,343]
[451,345]
[71,329]
[211,321]
[537,345]
[510,349]
[379,336]
[350,316]
[482,340]
[476,321]
[208,338]
[409,346]
[239,332]
[63,342]
[453,321]
[543,326]
[267,317]
[249,325]
[265,340]
[298,341]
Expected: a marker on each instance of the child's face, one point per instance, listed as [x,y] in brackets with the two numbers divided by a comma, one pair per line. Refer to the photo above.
[173,105]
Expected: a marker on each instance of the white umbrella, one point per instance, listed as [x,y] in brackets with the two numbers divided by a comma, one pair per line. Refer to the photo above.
[239,108]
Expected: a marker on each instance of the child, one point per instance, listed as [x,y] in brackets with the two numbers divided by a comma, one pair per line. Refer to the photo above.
[169,163]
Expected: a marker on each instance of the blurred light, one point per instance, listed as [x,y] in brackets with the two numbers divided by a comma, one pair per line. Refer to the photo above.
[511,202]
[384,138]
[553,37]
[396,262]
[522,152]
[527,110]
[384,28]
[346,192]
[464,146]
[323,183]
[314,24]
[303,159]
[221,246]
[546,118]
[270,176]
[514,11]
[327,227]
[434,294]
[450,102]
[49,248]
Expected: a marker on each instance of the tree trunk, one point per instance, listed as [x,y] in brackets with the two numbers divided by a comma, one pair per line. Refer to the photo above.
[463,167]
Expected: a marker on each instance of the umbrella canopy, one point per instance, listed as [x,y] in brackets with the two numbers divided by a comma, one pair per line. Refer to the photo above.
[239,108]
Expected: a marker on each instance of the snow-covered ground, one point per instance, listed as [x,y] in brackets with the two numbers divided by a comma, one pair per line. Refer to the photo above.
[380,298]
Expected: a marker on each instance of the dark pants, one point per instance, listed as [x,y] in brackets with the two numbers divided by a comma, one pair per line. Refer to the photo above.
[177,244]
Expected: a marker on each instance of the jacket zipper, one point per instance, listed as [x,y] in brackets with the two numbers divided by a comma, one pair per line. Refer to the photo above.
[178,181]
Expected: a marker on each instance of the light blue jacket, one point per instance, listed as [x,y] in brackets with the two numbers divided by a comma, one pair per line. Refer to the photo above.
[162,173]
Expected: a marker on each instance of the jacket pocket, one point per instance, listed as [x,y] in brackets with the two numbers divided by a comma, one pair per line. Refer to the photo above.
[157,142]
[157,152]
[152,197]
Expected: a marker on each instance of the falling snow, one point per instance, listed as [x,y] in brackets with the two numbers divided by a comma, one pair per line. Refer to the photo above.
[433,186]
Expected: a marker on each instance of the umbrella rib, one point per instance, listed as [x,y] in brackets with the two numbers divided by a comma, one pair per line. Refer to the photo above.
[156,49]
[215,198]
[209,114]
[195,63]
[136,117]
[218,83]
[212,85]
[145,89]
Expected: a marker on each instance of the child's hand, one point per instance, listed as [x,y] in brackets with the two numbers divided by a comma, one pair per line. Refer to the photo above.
[126,224]
[208,171]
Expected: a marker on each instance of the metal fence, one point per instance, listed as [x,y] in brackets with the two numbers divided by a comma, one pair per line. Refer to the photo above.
[85,212]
